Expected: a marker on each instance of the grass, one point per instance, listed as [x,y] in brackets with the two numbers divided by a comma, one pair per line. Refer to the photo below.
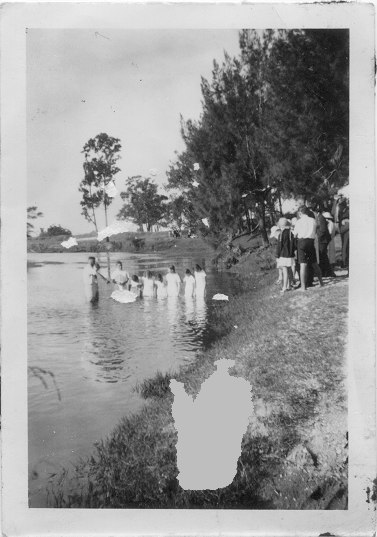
[158,386]
[291,348]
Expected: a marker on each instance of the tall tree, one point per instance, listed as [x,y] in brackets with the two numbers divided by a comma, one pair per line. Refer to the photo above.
[308,114]
[32,214]
[144,205]
[274,120]
[228,141]
[101,155]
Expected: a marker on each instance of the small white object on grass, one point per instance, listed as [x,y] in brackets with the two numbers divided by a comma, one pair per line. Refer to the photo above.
[196,166]
[69,243]
[219,296]
[195,184]
[243,195]
[205,221]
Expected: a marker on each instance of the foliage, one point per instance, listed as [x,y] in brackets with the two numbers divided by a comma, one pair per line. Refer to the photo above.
[32,214]
[274,120]
[180,213]
[144,205]
[308,112]
[101,155]
[54,230]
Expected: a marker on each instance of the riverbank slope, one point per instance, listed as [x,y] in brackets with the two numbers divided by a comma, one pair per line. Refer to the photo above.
[292,349]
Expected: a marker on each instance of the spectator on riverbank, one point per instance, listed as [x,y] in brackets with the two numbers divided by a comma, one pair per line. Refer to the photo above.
[119,276]
[189,282]
[323,239]
[200,280]
[305,231]
[331,246]
[345,234]
[173,281]
[275,234]
[286,253]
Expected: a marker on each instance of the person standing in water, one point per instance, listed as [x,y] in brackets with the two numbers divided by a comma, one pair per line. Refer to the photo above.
[160,287]
[135,286]
[173,282]
[189,281]
[200,280]
[148,283]
[119,276]
[90,279]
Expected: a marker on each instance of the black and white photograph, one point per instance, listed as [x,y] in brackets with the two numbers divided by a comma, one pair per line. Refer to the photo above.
[191,298]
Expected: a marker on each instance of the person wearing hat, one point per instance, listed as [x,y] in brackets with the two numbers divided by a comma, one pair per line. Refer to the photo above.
[331,246]
[286,252]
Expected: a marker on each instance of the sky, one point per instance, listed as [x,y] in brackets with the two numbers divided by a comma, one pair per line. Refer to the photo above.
[131,84]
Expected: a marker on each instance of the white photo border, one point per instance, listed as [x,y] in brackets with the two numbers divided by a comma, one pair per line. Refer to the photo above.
[18,518]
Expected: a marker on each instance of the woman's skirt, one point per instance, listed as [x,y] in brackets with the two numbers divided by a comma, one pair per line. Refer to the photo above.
[289,262]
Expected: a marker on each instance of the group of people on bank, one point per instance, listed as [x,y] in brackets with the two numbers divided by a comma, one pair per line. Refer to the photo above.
[306,244]
[148,285]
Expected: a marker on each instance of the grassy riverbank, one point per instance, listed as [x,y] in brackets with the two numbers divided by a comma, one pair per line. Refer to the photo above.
[291,348]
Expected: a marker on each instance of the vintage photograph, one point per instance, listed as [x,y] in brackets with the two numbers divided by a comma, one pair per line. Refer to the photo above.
[187,203]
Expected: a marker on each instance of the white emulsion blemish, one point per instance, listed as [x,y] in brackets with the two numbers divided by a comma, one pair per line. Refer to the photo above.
[210,428]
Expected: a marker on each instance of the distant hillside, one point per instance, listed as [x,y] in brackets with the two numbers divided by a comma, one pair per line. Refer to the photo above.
[122,242]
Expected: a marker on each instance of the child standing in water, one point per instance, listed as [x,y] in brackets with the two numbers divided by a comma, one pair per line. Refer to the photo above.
[189,281]
[200,280]
[160,287]
[136,286]
[148,283]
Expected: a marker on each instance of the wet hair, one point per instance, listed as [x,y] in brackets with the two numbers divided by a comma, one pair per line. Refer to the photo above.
[303,210]
[91,257]
[188,271]
[198,267]
[159,277]
[135,278]
[120,263]
[172,268]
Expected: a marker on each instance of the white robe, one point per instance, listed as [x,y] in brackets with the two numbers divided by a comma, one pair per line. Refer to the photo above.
[200,280]
[174,283]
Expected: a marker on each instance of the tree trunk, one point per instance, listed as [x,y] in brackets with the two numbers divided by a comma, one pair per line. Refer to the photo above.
[263,228]
[247,216]
[107,250]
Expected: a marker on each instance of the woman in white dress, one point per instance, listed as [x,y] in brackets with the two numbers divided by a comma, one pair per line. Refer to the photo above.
[120,277]
[200,280]
[331,246]
[148,284]
[173,282]
[160,287]
[189,282]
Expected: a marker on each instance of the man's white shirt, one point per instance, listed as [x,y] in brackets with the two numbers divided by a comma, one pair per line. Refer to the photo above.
[305,227]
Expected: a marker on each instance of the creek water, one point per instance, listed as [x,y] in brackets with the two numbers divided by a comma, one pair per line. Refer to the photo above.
[85,359]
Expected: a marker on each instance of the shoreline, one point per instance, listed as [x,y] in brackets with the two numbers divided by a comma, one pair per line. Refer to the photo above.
[299,400]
